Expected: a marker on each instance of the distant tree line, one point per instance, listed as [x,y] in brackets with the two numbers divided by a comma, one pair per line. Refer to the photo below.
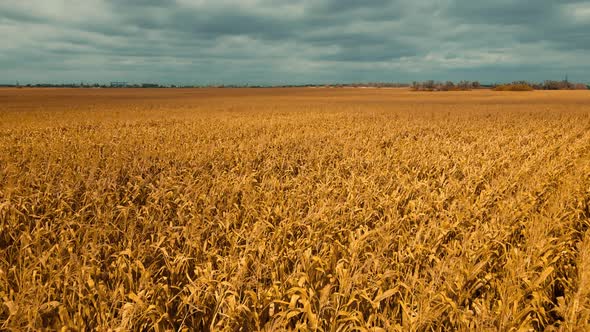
[336,85]
[370,85]
[514,86]
[553,85]
[87,86]
[417,86]
[446,86]
[122,85]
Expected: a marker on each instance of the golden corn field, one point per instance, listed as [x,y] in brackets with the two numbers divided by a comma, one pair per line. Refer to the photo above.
[294,209]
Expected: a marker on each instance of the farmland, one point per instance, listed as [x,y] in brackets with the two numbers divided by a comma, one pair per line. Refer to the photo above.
[310,209]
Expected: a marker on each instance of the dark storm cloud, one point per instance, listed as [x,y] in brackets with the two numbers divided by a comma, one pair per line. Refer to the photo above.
[296,41]
[15,17]
[551,21]
[502,11]
[330,6]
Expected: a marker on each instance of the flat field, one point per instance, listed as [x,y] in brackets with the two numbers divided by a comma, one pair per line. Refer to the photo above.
[310,209]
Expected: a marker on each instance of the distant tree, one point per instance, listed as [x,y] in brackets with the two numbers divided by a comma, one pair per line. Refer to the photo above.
[464,85]
[429,85]
[514,87]
[556,85]
[448,86]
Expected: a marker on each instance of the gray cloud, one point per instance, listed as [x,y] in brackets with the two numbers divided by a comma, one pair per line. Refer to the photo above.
[293,41]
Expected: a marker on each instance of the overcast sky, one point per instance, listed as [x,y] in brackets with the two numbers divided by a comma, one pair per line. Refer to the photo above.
[293,41]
